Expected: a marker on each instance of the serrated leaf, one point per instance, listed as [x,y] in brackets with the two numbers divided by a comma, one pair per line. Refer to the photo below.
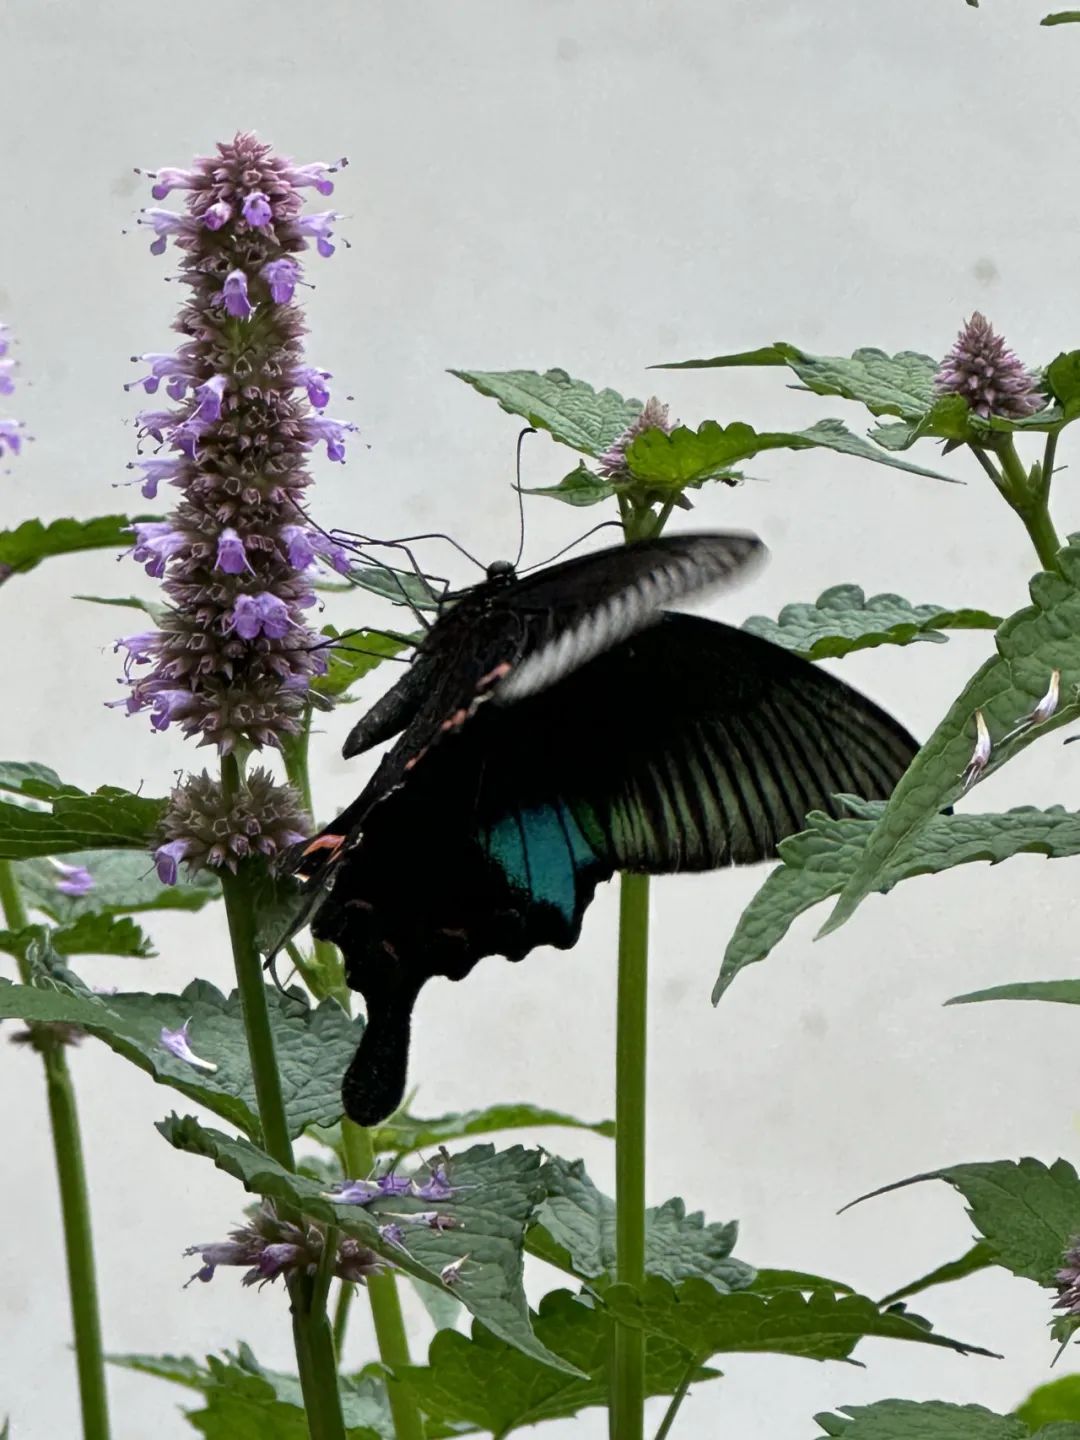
[574,1228]
[570,410]
[689,457]
[404,1133]
[27,777]
[819,861]
[89,935]
[772,1282]
[1063,379]
[108,819]
[180,1369]
[1031,644]
[486,1383]
[1028,1213]
[497,1195]
[1048,1404]
[581,487]
[842,620]
[313,1045]
[979,1257]
[402,588]
[124,883]
[353,657]
[821,1326]
[1062,992]
[25,547]
[922,1420]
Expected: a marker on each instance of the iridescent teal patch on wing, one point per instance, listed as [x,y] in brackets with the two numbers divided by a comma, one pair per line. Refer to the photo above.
[542,851]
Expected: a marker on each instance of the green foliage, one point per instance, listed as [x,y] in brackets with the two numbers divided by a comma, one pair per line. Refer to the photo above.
[980,1257]
[128,602]
[1028,1213]
[1031,644]
[669,463]
[1061,992]
[842,619]
[581,487]
[575,1229]
[124,884]
[499,1192]
[358,653]
[819,862]
[818,1326]
[89,935]
[400,587]
[110,818]
[314,1044]
[1059,1400]
[23,549]
[923,1420]
[1062,17]
[570,410]
[404,1133]
[485,1383]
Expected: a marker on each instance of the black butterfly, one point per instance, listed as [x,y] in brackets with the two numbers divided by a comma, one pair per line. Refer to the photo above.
[556,728]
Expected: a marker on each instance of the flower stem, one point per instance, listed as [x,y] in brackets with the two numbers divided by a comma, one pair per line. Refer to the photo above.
[676,1400]
[74,1199]
[359,1158]
[628,1369]
[1027,498]
[346,1294]
[311,1330]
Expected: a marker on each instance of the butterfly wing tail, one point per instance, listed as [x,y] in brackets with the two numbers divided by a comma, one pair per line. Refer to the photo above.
[374,1084]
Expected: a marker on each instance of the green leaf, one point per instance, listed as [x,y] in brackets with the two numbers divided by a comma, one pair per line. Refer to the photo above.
[358,653]
[1062,17]
[979,1257]
[313,1045]
[1063,380]
[1059,1400]
[820,860]
[404,1133]
[900,384]
[23,549]
[570,410]
[180,1369]
[403,588]
[27,777]
[574,1229]
[128,602]
[580,487]
[89,935]
[772,1282]
[841,620]
[688,457]
[922,1420]
[820,1326]
[1063,992]
[497,1195]
[124,883]
[482,1382]
[109,818]
[1029,1214]
[1031,644]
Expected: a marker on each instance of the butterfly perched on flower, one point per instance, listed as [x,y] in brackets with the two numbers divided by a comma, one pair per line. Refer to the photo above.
[553,729]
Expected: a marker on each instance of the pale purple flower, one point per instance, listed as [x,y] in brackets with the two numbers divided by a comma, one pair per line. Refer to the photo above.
[168,179]
[1068,1280]
[10,436]
[314,174]
[209,395]
[392,1234]
[654,416]
[303,545]
[217,215]
[75,880]
[7,377]
[319,428]
[982,369]
[155,471]
[163,223]
[980,756]
[314,382]
[451,1274]
[177,1043]
[264,614]
[355,1192]
[5,340]
[141,648]
[437,1186]
[256,210]
[156,542]
[235,294]
[320,227]
[281,276]
[269,1247]
[167,858]
[167,705]
[231,555]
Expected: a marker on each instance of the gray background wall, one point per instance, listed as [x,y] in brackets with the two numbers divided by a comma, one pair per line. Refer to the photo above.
[596,186]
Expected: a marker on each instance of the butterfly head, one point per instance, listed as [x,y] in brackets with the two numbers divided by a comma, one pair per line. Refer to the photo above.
[501,572]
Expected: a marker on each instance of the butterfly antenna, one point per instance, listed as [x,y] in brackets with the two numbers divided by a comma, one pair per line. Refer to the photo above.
[529,430]
[404,540]
[604,525]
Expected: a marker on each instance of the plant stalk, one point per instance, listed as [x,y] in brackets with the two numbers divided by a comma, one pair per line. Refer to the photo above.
[676,1400]
[359,1160]
[311,1330]
[74,1199]
[627,1417]
[1027,495]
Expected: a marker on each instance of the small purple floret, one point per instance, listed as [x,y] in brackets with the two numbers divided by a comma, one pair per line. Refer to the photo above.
[265,614]
[281,275]
[75,880]
[231,555]
[256,210]
[177,1043]
[235,294]
[156,542]
[318,428]
[217,215]
[320,227]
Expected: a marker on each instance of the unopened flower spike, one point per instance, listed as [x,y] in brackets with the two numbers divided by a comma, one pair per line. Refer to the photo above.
[980,756]
[176,1042]
[982,369]
[654,416]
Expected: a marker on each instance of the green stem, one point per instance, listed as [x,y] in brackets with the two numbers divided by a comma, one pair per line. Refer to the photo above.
[74,1198]
[676,1400]
[346,1293]
[359,1158]
[311,1330]
[1029,501]
[1049,455]
[628,1370]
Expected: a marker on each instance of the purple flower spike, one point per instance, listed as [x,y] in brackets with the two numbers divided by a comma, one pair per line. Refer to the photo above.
[231,555]
[217,215]
[982,369]
[176,1042]
[75,880]
[235,294]
[265,614]
[256,210]
[654,416]
[281,276]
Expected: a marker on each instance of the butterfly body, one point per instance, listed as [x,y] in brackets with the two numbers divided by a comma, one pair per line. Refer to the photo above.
[553,730]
